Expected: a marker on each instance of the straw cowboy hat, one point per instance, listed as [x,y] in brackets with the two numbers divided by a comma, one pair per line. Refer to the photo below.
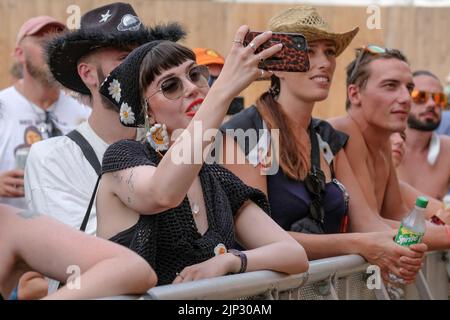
[307,21]
[114,25]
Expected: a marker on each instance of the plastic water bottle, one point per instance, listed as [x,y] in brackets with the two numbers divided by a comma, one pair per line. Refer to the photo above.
[412,228]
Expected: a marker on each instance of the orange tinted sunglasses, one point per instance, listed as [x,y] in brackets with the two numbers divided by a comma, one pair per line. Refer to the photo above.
[439,98]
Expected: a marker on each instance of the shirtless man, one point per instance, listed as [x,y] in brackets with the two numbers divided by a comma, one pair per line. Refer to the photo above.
[426,151]
[398,151]
[380,83]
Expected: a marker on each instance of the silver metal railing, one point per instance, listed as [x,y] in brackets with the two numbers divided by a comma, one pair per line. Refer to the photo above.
[336,278]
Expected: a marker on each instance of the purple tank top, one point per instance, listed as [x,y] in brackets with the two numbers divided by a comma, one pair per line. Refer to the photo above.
[289,202]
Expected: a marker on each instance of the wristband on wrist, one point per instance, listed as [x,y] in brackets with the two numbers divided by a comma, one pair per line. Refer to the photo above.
[243,258]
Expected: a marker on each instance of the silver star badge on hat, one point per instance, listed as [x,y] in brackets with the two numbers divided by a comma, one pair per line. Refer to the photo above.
[105,17]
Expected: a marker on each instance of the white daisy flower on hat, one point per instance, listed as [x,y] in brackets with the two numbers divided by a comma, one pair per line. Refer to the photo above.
[114,90]
[126,114]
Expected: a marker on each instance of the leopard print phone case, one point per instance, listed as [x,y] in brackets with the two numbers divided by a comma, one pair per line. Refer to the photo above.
[293,57]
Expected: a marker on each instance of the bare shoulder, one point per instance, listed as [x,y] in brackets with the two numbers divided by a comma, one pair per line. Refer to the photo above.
[348,126]
[445,143]
[444,156]
[338,122]
[344,124]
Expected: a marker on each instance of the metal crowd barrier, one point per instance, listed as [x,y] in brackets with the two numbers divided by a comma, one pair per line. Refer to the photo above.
[337,278]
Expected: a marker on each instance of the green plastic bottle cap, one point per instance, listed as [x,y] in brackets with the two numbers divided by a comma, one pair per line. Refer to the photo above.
[422,202]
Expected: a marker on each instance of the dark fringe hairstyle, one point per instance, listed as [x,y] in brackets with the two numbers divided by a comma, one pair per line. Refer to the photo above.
[163,56]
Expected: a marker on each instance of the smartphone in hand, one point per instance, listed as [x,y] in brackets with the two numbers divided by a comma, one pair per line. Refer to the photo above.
[293,57]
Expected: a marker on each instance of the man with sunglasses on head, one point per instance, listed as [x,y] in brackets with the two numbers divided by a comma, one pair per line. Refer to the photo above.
[61,173]
[379,88]
[426,151]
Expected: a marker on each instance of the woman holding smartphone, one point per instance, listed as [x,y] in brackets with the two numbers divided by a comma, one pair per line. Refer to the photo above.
[184,217]
[314,194]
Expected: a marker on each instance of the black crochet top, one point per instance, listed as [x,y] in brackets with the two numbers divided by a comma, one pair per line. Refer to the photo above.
[169,241]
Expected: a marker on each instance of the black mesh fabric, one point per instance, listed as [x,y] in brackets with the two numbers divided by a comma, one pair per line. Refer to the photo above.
[126,154]
[169,241]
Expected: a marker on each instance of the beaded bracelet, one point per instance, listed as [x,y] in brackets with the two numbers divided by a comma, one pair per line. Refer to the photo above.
[243,258]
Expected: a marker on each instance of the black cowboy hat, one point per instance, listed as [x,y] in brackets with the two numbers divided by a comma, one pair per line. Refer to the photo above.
[113,25]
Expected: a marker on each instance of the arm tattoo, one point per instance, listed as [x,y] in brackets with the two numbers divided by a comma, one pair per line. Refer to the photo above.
[130,181]
[28,214]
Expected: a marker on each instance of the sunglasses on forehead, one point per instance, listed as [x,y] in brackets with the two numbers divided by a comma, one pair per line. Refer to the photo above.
[173,87]
[361,52]
[420,97]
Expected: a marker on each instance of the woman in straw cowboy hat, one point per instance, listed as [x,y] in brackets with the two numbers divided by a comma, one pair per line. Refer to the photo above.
[307,194]
[182,216]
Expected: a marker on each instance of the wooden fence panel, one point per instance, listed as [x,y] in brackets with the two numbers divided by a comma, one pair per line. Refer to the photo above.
[422,33]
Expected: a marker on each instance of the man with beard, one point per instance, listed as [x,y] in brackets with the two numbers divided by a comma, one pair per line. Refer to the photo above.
[61,173]
[15,72]
[35,103]
[426,151]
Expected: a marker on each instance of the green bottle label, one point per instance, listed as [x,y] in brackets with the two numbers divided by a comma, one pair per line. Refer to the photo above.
[406,237]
